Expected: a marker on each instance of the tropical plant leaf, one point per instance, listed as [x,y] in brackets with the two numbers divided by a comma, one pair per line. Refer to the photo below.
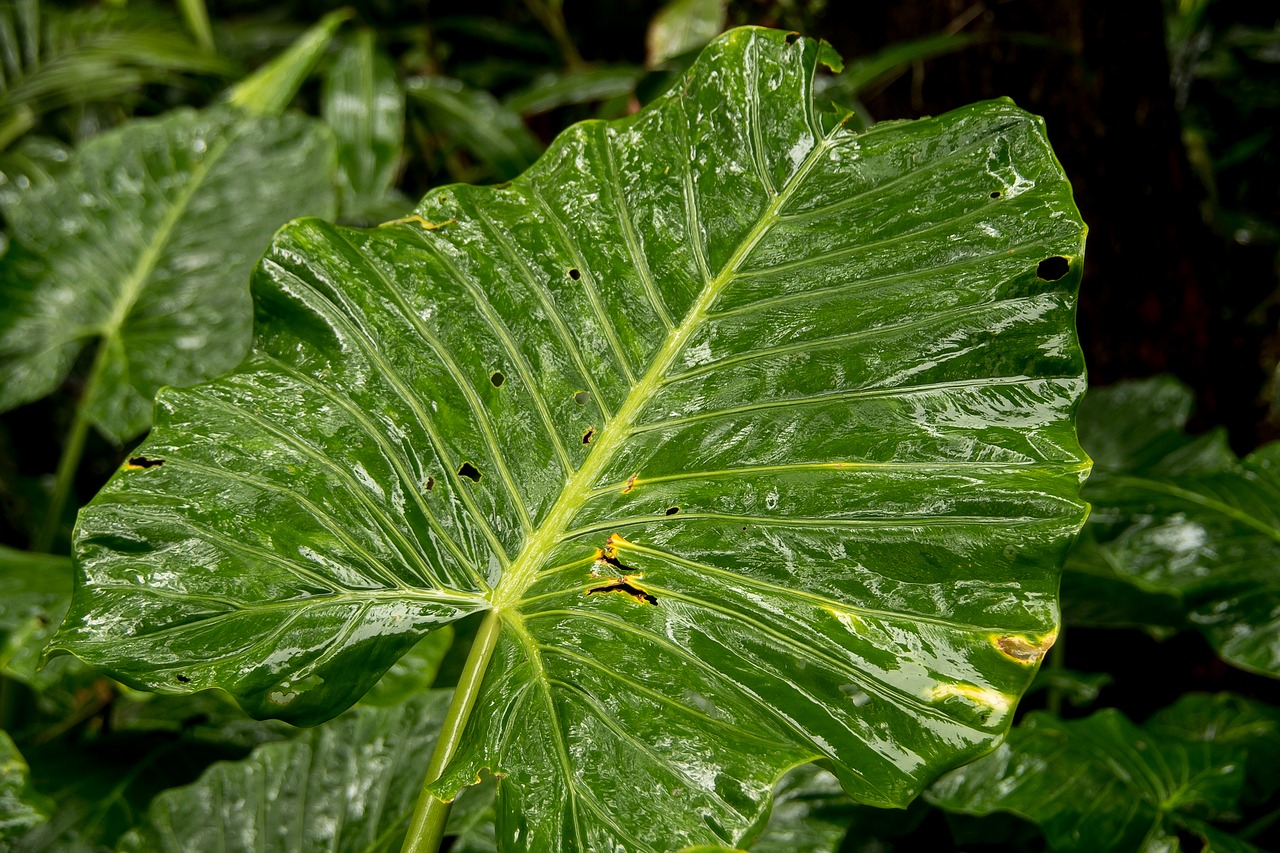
[364,105]
[1180,524]
[146,242]
[477,121]
[21,807]
[1231,720]
[1098,784]
[582,86]
[811,814]
[346,786]
[752,436]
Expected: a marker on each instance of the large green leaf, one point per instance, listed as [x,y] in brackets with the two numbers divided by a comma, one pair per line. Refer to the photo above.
[35,590]
[346,786]
[147,240]
[1182,532]
[752,435]
[1100,784]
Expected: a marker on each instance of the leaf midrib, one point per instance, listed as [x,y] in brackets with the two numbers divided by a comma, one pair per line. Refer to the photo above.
[523,570]
[132,286]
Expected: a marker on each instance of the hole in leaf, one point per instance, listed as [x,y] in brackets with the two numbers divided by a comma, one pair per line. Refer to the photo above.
[672,510]
[183,679]
[469,471]
[995,193]
[792,38]
[581,398]
[575,273]
[431,483]
[588,435]
[142,462]
[497,378]
[1052,269]
[626,588]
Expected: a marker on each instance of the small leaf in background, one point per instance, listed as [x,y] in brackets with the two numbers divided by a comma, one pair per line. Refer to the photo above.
[1181,532]
[21,807]
[1079,688]
[364,105]
[584,86]
[269,90]
[35,590]
[682,26]
[29,165]
[147,241]
[1100,784]
[348,786]
[477,122]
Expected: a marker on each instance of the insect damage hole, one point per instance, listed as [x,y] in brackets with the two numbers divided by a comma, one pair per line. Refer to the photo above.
[588,435]
[430,484]
[995,193]
[497,378]
[1052,269]
[575,273]
[142,463]
[469,471]
[581,397]
[672,510]
[792,38]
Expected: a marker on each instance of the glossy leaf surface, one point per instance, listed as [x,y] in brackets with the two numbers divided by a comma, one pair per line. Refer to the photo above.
[1182,532]
[752,434]
[146,241]
[1099,784]
[347,786]
[364,105]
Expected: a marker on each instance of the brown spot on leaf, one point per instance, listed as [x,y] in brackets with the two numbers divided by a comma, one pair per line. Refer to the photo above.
[626,587]
[631,484]
[1024,649]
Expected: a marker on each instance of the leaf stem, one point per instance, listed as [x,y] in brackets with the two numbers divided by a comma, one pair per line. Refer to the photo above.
[69,463]
[426,827]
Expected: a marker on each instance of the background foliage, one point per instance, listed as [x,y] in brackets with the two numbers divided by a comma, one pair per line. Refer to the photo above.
[1161,693]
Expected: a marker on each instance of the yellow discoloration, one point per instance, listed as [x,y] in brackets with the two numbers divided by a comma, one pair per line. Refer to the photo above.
[849,620]
[426,224]
[993,699]
[1024,649]
[631,484]
[612,544]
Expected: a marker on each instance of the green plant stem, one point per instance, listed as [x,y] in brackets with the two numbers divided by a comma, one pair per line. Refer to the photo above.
[1057,659]
[426,827]
[196,16]
[69,463]
[551,15]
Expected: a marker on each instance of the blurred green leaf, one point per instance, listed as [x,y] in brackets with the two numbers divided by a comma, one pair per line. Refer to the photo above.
[681,26]
[1177,519]
[584,86]
[1100,784]
[475,120]
[35,591]
[269,89]
[1079,688]
[864,72]
[21,808]
[1230,720]
[349,785]
[30,164]
[146,244]
[52,57]
[364,105]
[811,814]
